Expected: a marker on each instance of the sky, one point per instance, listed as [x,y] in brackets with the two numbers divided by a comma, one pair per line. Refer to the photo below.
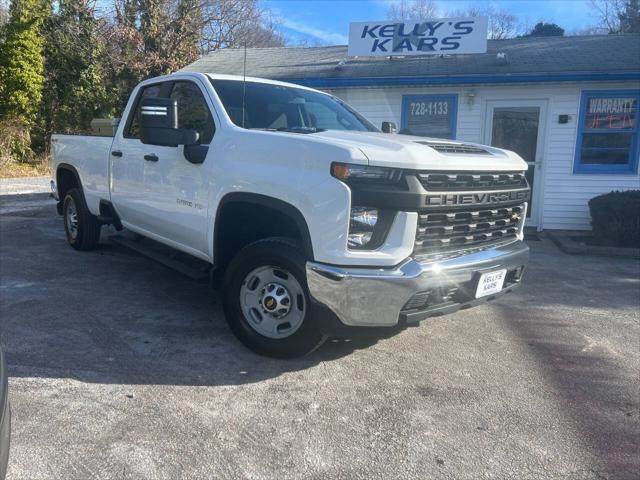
[326,22]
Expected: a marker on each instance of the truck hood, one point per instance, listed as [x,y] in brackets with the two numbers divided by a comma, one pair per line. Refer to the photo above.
[423,153]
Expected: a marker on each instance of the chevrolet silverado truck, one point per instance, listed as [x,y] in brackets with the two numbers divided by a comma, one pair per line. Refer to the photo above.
[317,223]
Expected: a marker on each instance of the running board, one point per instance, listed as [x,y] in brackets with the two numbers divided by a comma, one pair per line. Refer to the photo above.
[183,263]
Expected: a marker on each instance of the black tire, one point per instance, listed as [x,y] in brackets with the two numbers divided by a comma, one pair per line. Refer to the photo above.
[86,234]
[272,252]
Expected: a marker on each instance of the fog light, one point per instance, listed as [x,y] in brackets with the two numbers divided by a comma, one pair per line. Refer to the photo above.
[361,224]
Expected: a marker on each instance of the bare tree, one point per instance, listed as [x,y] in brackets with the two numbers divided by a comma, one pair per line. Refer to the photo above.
[234,23]
[412,10]
[212,24]
[145,38]
[608,12]
[502,23]
[616,16]
[266,34]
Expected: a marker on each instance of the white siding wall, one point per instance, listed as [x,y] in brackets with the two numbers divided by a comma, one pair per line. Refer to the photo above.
[563,194]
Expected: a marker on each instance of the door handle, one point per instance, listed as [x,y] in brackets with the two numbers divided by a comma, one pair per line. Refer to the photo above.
[116,153]
[151,158]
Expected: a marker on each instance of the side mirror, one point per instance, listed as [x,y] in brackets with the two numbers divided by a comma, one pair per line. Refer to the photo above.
[389,127]
[159,124]
[196,153]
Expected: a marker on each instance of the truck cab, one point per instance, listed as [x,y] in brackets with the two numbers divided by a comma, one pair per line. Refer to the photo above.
[318,223]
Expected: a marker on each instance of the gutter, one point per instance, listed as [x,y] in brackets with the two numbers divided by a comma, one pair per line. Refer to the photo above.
[474,79]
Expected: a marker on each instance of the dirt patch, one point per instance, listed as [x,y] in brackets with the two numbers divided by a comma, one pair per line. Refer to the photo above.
[10,168]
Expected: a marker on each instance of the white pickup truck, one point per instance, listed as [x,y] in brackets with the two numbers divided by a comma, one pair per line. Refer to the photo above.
[317,223]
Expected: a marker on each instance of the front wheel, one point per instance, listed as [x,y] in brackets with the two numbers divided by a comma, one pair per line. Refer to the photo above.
[266,300]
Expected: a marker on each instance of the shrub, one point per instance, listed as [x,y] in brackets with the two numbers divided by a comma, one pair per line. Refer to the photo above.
[15,141]
[615,218]
[17,159]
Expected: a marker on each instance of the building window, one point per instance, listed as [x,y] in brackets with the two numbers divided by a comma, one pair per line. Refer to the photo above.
[608,140]
[429,115]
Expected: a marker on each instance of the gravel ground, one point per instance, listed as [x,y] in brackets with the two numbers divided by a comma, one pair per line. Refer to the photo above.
[123,369]
[24,185]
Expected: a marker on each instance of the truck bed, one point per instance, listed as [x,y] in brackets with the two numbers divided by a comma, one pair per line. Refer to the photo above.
[90,157]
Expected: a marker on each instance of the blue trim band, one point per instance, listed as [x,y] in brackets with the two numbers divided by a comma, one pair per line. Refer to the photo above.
[464,79]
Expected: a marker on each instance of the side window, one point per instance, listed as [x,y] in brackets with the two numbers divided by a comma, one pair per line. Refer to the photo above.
[608,132]
[429,115]
[193,112]
[133,129]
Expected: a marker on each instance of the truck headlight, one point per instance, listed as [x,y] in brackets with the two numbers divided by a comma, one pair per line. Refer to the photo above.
[362,173]
[362,223]
[368,226]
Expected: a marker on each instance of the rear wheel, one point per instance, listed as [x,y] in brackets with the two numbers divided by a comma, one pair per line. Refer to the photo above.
[266,300]
[81,227]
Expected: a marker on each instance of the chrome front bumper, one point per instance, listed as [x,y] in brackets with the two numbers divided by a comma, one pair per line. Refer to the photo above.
[375,297]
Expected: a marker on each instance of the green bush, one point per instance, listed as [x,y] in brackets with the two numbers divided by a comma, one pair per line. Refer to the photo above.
[615,218]
[15,141]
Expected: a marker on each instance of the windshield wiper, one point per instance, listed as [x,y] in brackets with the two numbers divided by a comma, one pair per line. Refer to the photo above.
[292,129]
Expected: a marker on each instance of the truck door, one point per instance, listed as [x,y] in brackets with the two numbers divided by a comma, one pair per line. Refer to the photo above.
[156,191]
[127,162]
[176,190]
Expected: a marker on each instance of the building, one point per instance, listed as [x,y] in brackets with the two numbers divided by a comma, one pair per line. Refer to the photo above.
[568,105]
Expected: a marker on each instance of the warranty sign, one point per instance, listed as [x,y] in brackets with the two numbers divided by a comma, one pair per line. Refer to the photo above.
[443,36]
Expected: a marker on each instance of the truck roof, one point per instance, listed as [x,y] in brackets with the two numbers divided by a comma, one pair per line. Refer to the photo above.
[240,78]
[236,78]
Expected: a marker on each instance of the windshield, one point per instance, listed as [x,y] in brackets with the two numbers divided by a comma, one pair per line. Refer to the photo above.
[281,108]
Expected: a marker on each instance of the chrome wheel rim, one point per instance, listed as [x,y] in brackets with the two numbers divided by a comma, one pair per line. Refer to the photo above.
[272,301]
[71,218]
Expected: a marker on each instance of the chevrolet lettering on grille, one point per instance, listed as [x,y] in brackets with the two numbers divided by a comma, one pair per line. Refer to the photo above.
[476,198]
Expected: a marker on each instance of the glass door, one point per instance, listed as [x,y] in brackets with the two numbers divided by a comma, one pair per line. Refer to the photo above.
[518,127]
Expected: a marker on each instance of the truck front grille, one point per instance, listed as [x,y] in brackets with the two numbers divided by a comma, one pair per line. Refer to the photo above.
[444,182]
[468,211]
[468,228]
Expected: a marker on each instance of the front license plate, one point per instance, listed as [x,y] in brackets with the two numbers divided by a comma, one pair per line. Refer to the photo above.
[490,283]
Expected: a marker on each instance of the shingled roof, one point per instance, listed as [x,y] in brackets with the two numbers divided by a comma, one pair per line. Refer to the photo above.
[604,54]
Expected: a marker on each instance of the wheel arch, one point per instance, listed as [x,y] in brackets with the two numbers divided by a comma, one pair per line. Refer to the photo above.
[67,177]
[265,204]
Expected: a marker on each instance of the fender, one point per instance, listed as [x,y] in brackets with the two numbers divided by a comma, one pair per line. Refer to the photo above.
[74,172]
[274,204]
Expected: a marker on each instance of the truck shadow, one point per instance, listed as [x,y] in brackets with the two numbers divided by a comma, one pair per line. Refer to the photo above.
[597,395]
[113,316]
[582,357]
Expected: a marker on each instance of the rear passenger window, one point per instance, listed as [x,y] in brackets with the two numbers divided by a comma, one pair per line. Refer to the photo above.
[193,112]
[151,91]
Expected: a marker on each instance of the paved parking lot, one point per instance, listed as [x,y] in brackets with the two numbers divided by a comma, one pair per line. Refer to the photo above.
[123,369]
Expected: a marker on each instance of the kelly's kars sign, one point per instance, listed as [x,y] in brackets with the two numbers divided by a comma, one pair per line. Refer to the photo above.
[442,36]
